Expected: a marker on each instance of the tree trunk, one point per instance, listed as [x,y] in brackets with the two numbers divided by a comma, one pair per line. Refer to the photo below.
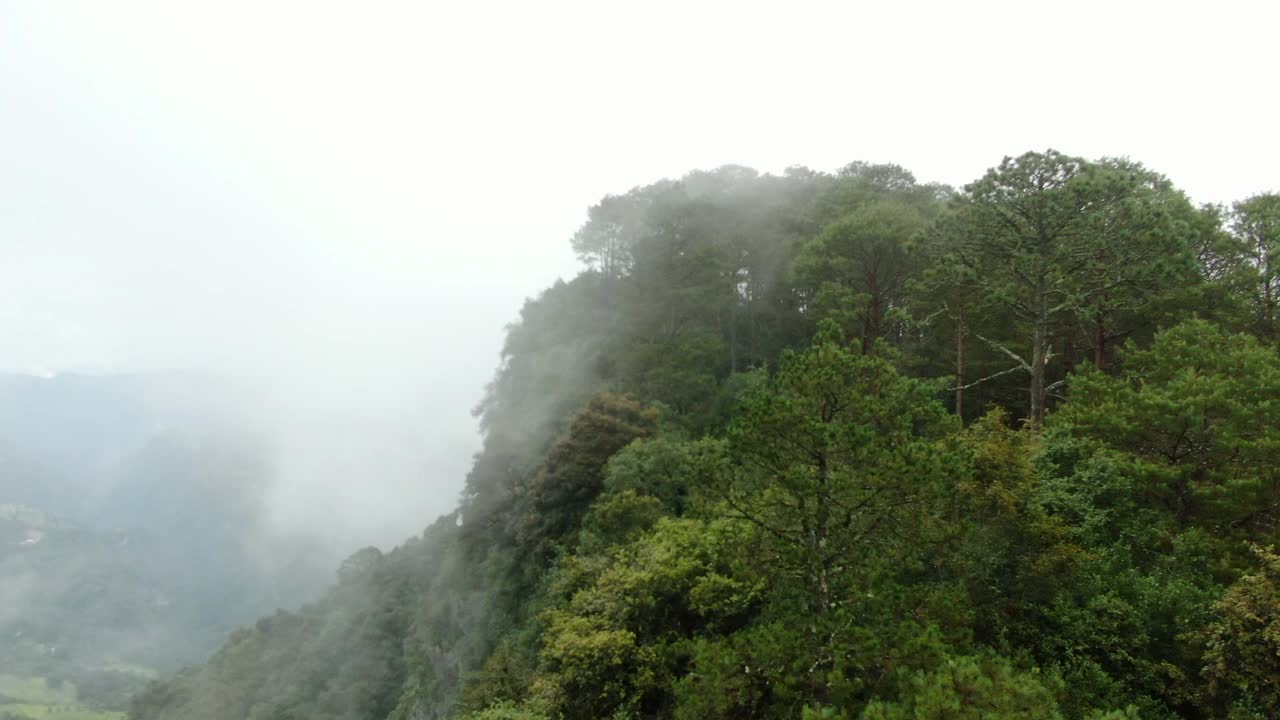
[1100,341]
[1039,356]
[733,332]
[874,318]
[1039,348]
[1268,311]
[960,362]
[820,563]
[871,327]
[822,511]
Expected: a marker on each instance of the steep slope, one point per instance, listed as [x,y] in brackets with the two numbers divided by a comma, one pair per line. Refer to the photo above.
[766,457]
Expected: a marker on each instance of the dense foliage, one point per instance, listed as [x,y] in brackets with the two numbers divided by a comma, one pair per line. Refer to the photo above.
[842,446]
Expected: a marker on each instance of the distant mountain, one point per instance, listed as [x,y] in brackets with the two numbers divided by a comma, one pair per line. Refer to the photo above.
[131,530]
[61,436]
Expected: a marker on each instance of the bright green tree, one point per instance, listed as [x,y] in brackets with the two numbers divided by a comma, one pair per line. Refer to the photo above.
[1242,662]
[834,456]
[1196,418]
[986,687]
[831,454]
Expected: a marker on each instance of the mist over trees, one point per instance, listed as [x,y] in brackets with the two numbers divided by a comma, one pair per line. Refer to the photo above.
[841,445]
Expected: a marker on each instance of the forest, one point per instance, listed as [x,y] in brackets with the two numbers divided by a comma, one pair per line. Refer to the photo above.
[834,446]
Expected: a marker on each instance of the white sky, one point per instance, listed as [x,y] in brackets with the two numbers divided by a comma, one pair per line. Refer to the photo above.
[349,200]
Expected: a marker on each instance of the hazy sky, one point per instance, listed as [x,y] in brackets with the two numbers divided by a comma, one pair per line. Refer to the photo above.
[348,201]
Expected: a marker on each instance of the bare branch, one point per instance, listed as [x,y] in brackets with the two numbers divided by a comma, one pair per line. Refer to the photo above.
[1016,358]
[993,376]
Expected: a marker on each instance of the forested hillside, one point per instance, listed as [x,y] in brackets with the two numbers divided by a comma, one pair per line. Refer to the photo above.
[842,445]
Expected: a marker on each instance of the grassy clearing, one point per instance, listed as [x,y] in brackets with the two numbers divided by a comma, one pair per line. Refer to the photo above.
[35,698]
[37,690]
[124,666]
[57,712]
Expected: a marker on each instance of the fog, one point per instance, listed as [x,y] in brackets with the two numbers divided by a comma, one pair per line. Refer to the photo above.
[339,209]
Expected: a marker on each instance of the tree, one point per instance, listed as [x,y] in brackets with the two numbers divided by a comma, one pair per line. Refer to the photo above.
[973,688]
[865,254]
[1141,232]
[941,296]
[861,183]
[1256,222]
[609,645]
[573,475]
[831,456]
[506,711]
[1242,661]
[614,226]
[663,468]
[1050,237]
[359,565]
[1009,554]
[1196,419]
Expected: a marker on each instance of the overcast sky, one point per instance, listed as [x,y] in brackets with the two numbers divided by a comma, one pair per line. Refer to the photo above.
[348,201]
